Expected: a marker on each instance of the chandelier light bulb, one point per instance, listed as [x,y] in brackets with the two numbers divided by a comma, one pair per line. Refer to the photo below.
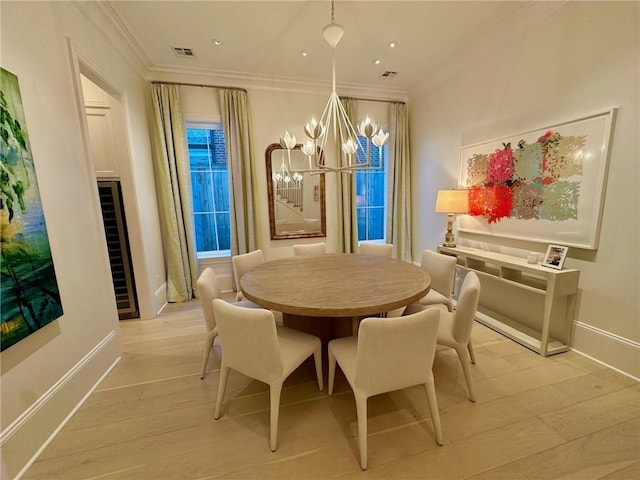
[288,141]
[380,138]
[308,148]
[314,129]
[349,147]
[367,128]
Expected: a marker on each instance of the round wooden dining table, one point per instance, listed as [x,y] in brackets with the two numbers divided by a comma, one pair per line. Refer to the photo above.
[317,294]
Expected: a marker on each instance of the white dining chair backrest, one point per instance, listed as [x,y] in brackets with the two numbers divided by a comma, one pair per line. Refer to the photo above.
[380,249]
[208,290]
[242,264]
[310,249]
[395,353]
[388,354]
[249,341]
[254,346]
[442,270]
[455,327]
[466,308]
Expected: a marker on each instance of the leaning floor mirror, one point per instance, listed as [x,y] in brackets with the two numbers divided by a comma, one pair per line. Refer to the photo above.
[296,197]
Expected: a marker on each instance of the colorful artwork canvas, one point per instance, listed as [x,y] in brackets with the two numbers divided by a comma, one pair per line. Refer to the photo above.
[535,181]
[543,185]
[29,295]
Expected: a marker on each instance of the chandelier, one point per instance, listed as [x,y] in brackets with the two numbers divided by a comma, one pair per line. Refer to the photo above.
[284,179]
[334,119]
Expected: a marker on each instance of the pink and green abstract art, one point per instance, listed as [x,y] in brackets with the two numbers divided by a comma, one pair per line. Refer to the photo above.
[533,181]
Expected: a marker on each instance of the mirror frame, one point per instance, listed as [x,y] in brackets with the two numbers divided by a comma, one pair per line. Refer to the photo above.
[272,215]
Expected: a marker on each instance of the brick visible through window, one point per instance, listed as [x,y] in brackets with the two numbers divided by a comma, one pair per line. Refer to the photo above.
[210,188]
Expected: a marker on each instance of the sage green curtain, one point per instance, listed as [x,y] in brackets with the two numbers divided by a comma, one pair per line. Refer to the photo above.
[173,187]
[236,121]
[399,183]
[346,193]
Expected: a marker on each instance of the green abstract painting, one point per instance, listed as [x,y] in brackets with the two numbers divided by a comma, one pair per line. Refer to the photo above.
[29,293]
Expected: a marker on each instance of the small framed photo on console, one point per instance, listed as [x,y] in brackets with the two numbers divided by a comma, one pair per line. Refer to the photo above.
[554,258]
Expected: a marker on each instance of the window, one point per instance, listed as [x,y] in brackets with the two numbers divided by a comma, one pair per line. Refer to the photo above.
[210,188]
[371,195]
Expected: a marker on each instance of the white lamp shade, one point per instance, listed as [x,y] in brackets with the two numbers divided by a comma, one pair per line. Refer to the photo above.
[452,201]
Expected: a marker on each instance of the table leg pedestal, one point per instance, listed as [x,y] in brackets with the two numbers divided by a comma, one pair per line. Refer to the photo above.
[325,328]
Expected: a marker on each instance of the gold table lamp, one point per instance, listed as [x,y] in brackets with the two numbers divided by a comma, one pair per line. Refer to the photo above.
[451,202]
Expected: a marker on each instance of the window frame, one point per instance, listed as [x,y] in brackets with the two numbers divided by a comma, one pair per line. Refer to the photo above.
[207,124]
[385,193]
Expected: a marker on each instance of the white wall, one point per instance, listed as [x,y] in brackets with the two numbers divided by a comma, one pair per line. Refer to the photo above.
[46,375]
[554,62]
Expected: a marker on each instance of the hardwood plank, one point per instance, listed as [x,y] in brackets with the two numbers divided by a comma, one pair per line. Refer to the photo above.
[612,450]
[595,414]
[152,418]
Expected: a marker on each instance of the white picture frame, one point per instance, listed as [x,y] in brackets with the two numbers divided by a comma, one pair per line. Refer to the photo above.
[555,256]
[581,232]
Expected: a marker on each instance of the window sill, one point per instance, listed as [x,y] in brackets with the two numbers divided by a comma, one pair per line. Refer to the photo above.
[214,254]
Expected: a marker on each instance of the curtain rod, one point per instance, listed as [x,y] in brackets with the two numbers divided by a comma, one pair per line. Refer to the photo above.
[198,85]
[372,100]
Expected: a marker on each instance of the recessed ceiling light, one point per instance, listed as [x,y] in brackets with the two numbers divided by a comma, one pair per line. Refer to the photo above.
[393,44]
[303,53]
[216,42]
[376,61]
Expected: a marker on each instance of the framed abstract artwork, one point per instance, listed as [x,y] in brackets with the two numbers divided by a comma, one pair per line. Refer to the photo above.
[543,185]
[29,290]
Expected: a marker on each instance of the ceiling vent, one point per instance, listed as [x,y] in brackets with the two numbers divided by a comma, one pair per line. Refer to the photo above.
[183,52]
[388,75]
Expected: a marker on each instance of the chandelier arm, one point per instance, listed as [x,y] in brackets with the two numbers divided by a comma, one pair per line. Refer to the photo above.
[351,131]
[329,118]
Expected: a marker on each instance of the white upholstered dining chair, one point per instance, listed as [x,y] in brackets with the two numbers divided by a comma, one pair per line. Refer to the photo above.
[242,264]
[310,249]
[380,249]
[455,327]
[254,346]
[388,354]
[208,290]
[442,270]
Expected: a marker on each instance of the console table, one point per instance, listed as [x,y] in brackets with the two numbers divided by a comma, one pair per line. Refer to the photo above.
[531,304]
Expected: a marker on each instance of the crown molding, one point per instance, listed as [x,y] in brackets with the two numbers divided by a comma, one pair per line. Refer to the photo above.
[104,17]
[260,82]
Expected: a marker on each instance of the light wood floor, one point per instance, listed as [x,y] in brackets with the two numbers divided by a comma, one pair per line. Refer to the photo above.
[152,418]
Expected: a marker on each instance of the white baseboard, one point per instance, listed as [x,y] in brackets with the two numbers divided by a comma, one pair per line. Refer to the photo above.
[25,438]
[226,283]
[609,349]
